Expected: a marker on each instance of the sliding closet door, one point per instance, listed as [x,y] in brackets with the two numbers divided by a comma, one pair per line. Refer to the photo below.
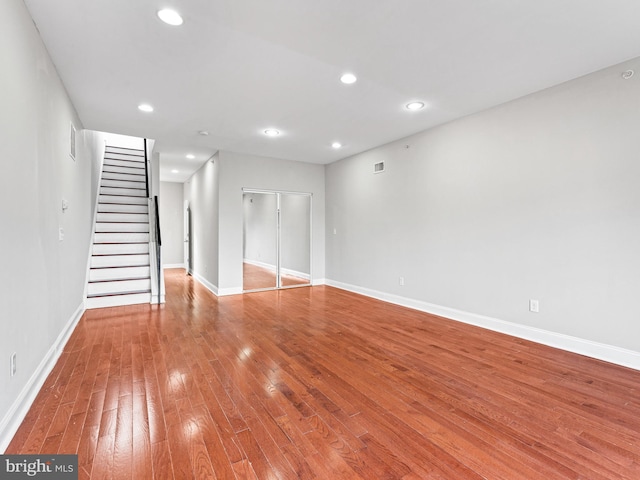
[276,240]
[260,244]
[295,239]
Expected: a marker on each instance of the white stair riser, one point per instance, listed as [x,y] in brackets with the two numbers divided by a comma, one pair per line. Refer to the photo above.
[122,227]
[122,208]
[120,273]
[116,287]
[125,154]
[134,171]
[123,176]
[123,217]
[129,192]
[117,300]
[123,200]
[117,148]
[124,163]
[123,184]
[121,238]
[103,261]
[120,249]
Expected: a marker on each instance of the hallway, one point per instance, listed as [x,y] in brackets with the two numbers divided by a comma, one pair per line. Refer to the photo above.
[321,383]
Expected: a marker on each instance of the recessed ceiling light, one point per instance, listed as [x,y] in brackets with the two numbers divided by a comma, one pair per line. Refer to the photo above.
[413,106]
[174,171]
[145,107]
[348,78]
[170,17]
[190,156]
[204,133]
[271,132]
[336,145]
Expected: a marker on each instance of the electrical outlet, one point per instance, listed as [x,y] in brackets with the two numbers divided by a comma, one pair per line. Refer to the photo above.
[534,306]
[12,364]
[402,281]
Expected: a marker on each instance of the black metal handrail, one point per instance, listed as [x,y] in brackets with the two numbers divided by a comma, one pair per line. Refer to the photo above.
[158,245]
[146,170]
[158,238]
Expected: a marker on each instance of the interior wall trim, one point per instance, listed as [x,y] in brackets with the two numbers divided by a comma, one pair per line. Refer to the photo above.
[272,268]
[218,292]
[223,292]
[18,410]
[205,283]
[174,265]
[257,263]
[600,351]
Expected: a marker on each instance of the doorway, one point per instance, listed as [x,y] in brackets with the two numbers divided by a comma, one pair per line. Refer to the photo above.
[188,250]
[276,240]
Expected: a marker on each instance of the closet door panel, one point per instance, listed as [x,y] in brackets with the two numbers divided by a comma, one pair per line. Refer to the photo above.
[295,239]
[260,241]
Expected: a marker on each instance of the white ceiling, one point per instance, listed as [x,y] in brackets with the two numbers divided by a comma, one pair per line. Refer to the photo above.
[237,67]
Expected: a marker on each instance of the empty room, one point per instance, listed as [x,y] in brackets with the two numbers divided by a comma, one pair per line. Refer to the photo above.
[320,240]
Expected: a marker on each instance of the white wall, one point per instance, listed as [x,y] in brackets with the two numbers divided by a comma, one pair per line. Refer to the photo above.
[97,142]
[201,192]
[238,171]
[214,194]
[123,141]
[41,278]
[172,223]
[535,199]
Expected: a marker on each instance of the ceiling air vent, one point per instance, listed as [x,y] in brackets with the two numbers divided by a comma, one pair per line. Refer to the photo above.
[378,167]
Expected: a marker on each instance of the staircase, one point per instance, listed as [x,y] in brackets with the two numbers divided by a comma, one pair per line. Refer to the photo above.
[119,271]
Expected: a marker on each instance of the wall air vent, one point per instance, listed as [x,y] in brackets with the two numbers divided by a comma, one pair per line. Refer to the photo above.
[378,167]
[72,141]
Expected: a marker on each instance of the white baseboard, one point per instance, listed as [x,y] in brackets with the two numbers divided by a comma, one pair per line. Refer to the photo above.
[294,273]
[218,292]
[272,268]
[601,351]
[18,410]
[223,292]
[257,263]
[206,283]
[173,265]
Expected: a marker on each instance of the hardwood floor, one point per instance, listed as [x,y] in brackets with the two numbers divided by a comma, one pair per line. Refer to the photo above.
[321,383]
